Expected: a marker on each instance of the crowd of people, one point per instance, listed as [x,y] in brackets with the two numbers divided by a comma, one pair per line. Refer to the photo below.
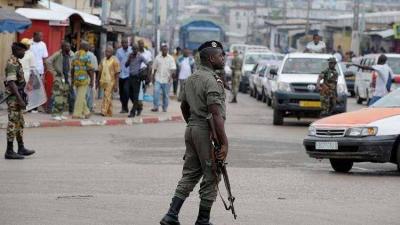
[128,70]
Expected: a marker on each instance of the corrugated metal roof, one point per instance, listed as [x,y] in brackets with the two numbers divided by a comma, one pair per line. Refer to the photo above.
[43,14]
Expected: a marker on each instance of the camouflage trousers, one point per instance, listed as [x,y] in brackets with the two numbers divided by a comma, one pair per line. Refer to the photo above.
[15,128]
[236,75]
[328,104]
[198,165]
[60,96]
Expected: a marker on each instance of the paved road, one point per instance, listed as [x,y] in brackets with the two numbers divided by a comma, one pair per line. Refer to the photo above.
[126,175]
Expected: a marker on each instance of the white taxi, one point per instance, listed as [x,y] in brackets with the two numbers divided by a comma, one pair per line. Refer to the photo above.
[367,135]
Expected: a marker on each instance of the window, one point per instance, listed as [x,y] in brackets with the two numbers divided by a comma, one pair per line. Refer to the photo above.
[238,26]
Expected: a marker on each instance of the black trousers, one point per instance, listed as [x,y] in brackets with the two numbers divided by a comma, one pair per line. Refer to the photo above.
[124,92]
[134,89]
[175,86]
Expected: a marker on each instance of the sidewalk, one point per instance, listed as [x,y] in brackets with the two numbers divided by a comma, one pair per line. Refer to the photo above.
[36,120]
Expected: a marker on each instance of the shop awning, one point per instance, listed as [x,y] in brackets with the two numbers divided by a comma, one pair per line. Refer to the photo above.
[44,14]
[86,17]
[383,33]
[13,22]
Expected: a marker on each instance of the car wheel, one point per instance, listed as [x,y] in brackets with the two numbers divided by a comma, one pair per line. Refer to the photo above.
[398,158]
[341,165]
[278,117]
[251,93]
[269,101]
[352,94]
[264,97]
[259,97]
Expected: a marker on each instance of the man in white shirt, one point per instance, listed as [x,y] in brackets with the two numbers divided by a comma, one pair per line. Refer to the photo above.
[185,68]
[164,68]
[316,45]
[383,80]
[28,62]
[39,50]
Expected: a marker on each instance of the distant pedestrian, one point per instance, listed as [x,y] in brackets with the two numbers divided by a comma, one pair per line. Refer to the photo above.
[28,62]
[236,67]
[135,79]
[176,55]
[39,50]
[145,73]
[109,71]
[185,68]
[383,80]
[83,78]
[328,93]
[164,69]
[60,64]
[316,45]
[16,102]
[95,65]
[123,83]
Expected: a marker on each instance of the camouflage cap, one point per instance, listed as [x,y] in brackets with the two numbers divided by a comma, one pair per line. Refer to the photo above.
[332,60]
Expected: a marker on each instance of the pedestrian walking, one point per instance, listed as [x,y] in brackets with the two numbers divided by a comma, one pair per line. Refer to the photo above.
[39,50]
[135,79]
[82,76]
[236,68]
[328,93]
[16,102]
[60,64]
[316,45]
[123,81]
[164,69]
[383,80]
[109,71]
[146,73]
[175,82]
[203,95]
[185,67]
[95,65]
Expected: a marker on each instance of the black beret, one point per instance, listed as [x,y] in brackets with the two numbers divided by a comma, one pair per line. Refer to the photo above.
[210,44]
[20,45]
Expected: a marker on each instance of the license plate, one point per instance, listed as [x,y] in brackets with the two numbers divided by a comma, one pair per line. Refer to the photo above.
[326,146]
[310,104]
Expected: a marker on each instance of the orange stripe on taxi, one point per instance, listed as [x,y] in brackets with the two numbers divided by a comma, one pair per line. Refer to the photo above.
[360,117]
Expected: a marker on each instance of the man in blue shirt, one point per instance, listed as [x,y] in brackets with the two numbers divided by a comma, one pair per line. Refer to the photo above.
[123,56]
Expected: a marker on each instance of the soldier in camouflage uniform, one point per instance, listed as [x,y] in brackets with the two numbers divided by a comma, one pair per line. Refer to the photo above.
[16,102]
[236,68]
[203,94]
[327,89]
[59,64]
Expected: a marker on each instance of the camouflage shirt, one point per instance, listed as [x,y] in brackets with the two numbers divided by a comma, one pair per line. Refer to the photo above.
[14,72]
[202,89]
[237,63]
[330,77]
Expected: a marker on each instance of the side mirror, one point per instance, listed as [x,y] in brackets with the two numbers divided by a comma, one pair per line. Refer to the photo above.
[261,74]
[348,74]
[273,72]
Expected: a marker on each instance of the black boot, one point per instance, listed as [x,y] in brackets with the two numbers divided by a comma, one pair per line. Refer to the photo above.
[234,100]
[24,151]
[132,113]
[204,216]
[138,112]
[10,154]
[171,218]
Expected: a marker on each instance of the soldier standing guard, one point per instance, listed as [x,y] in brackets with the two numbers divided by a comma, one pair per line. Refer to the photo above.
[203,94]
[327,89]
[236,67]
[16,102]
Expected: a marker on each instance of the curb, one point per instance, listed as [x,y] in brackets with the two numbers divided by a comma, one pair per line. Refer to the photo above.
[100,122]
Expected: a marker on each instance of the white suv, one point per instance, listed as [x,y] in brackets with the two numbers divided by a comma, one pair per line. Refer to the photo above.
[296,94]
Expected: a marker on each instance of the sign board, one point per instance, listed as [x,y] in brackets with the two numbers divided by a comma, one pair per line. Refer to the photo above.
[396,28]
[63,23]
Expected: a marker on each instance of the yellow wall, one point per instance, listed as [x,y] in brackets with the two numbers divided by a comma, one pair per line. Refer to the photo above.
[11,3]
[342,39]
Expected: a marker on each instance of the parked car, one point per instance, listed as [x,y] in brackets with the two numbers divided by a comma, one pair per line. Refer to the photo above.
[253,75]
[261,79]
[364,82]
[366,135]
[269,84]
[250,58]
[350,72]
[296,94]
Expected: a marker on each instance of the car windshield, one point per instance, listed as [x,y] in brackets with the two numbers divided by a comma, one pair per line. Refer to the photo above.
[394,64]
[392,100]
[254,58]
[305,66]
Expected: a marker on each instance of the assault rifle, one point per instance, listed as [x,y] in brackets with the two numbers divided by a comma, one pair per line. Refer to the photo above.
[220,167]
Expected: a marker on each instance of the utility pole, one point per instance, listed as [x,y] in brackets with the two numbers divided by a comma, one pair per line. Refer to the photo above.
[355,34]
[156,9]
[308,17]
[132,15]
[105,6]
[284,12]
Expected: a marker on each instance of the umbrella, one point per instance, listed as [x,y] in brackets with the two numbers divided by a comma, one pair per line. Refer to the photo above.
[12,22]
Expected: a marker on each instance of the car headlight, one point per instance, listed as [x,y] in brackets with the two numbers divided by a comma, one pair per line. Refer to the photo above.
[362,131]
[312,131]
[283,86]
[342,89]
